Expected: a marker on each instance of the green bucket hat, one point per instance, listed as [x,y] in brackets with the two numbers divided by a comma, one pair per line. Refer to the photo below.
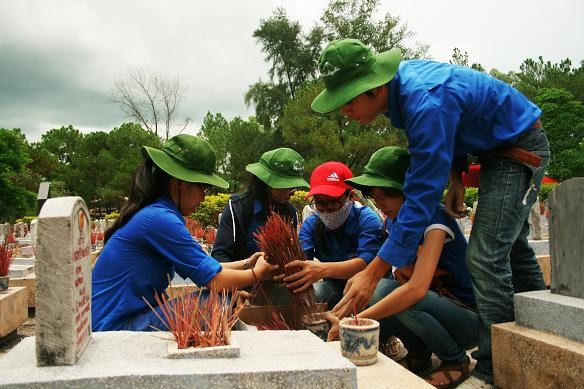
[350,68]
[187,158]
[280,168]
[386,168]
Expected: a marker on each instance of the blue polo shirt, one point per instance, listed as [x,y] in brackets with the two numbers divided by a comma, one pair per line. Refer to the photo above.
[137,261]
[358,237]
[447,111]
[452,257]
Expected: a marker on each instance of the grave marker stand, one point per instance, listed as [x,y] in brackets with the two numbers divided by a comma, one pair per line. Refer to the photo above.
[63,303]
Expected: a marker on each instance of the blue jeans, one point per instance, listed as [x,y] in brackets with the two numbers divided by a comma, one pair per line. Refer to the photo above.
[435,324]
[330,291]
[498,256]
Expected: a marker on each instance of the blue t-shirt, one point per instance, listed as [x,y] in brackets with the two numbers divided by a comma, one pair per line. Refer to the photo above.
[447,111]
[452,258]
[137,261]
[358,237]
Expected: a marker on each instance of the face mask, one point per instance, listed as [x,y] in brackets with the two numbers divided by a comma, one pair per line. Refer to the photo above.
[333,220]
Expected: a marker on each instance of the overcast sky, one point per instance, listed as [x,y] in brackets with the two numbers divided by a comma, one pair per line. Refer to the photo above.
[59,58]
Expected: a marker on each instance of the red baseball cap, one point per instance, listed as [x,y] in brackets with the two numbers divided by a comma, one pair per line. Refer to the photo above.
[329,179]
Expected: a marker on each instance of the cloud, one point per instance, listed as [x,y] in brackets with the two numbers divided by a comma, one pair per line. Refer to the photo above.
[59,59]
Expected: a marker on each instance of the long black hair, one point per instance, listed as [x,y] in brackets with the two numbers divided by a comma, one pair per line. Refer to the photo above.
[257,189]
[150,182]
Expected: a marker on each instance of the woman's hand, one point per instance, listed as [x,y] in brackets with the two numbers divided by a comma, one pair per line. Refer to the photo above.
[306,273]
[249,263]
[333,333]
[263,270]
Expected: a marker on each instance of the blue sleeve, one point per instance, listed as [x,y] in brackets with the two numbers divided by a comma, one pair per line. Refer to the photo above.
[306,236]
[168,235]
[431,126]
[369,239]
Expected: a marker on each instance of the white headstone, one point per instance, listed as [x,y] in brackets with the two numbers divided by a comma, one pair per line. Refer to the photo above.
[19,230]
[63,273]
[534,220]
[33,232]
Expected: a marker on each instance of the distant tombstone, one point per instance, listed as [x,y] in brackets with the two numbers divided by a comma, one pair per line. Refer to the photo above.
[63,273]
[43,194]
[7,229]
[19,230]
[535,221]
[33,232]
[566,204]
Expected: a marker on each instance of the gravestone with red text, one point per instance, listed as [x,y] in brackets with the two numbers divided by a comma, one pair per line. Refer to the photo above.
[63,271]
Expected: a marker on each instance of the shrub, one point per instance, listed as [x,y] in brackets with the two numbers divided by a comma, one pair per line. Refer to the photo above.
[298,201]
[545,190]
[207,213]
[26,219]
[470,196]
[113,215]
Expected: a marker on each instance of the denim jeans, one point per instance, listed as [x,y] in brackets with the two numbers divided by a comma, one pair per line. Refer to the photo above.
[330,291]
[435,324]
[498,256]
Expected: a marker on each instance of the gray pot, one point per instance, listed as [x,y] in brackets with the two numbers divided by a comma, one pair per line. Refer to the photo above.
[359,342]
[317,324]
[4,283]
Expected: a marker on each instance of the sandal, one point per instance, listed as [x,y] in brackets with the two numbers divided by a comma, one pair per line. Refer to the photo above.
[446,368]
[416,364]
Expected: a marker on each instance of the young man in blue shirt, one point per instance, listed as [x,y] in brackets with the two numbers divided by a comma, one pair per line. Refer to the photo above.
[342,235]
[449,112]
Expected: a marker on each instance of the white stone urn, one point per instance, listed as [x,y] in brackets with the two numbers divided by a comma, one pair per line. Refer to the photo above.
[359,340]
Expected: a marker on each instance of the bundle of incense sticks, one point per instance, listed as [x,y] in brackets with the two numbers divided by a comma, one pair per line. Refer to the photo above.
[279,241]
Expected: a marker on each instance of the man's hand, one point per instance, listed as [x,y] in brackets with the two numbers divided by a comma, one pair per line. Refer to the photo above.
[307,273]
[359,290]
[333,333]
[454,201]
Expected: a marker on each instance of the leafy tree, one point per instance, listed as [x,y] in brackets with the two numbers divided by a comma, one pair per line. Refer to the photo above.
[237,143]
[537,74]
[124,147]
[292,58]
[354,19]
[321,138]
[563,119]
[460,58]
[61,142]
[215,129]
[15,199]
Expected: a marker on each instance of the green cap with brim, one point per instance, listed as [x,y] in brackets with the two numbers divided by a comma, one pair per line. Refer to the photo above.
[187,158]
[386,169]
[279,169]
[349,68]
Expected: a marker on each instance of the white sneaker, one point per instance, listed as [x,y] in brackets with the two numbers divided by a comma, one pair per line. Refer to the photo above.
[473,382]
